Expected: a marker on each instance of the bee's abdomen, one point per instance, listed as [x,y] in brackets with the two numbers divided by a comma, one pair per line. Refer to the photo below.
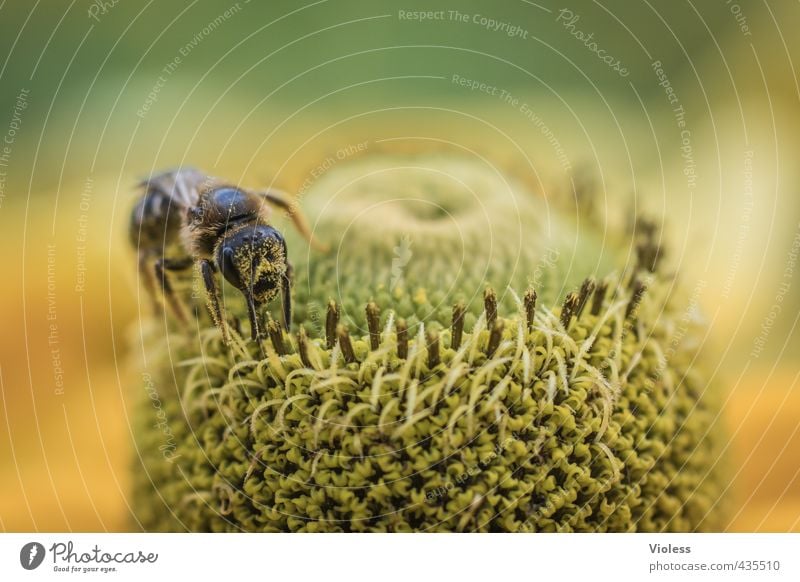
[155,221]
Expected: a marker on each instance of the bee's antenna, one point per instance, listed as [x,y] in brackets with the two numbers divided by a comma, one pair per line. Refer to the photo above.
[285,202]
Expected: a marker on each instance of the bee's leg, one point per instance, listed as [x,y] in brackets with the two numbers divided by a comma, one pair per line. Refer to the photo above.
[161,267]
[252,312]
[291,207]
[148,280]
[208,270]
[286,296]
[290,271]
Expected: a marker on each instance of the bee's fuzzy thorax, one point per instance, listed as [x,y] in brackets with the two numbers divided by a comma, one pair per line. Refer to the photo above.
[210,219]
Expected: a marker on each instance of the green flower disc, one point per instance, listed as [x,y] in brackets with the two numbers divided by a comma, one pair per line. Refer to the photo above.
[579,409]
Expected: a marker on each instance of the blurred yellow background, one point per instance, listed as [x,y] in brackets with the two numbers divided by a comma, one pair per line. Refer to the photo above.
[93,98]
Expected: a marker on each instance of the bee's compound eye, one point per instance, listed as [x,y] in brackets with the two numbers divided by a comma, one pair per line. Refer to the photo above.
[228,267]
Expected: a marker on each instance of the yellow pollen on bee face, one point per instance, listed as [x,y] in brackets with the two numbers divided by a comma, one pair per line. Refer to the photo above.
[255,265]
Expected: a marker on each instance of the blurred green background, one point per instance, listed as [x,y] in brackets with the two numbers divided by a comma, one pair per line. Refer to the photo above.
[94,95]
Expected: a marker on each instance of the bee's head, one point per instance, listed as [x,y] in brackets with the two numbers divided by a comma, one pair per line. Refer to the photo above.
[253,258]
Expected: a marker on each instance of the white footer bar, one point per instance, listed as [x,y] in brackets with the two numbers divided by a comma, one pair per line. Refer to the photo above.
[388,557]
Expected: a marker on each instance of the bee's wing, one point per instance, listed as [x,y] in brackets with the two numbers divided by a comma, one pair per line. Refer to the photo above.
[181,185]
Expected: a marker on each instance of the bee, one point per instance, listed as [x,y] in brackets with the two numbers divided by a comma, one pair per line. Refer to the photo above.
[186,218]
